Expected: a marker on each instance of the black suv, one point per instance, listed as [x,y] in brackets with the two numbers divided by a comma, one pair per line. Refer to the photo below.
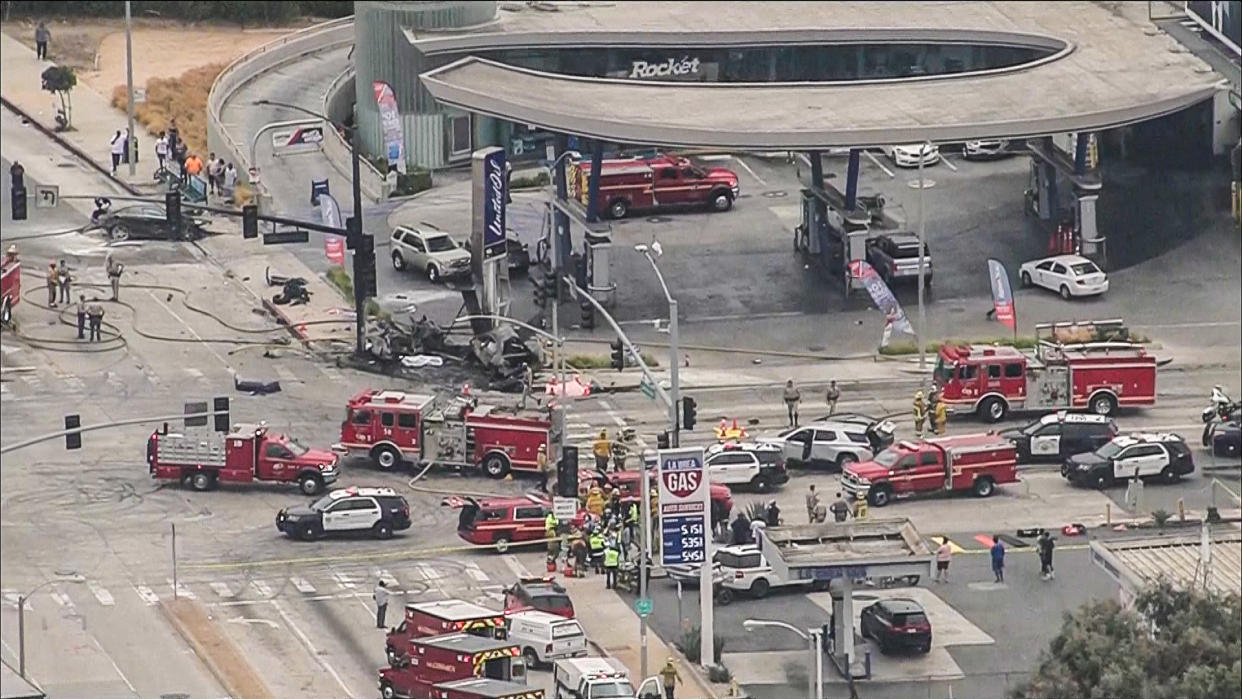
[1139,455]
[379,511]
[896,623]
[895,257]
[1060,435]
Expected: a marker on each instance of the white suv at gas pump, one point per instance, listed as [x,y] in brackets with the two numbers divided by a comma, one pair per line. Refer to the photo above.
[743,569]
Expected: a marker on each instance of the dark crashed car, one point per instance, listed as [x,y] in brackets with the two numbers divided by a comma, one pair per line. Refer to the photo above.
[1225,438]
[518,254]
[150,222]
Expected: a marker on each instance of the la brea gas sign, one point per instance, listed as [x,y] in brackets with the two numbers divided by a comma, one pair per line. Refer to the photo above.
[686,67]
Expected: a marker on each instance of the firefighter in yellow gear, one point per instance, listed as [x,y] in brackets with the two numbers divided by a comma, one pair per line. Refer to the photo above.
[920,413]
[940,417]
[595,501]
[602,449]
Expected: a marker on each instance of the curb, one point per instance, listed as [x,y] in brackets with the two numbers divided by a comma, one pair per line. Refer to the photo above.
[236,675]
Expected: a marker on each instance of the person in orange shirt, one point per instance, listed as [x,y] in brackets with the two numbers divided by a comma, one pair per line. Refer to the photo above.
[193,164]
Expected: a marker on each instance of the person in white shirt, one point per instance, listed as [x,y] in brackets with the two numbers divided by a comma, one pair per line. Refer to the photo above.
[161,149]
[230,179]
[757,525]
[943,554]
[118,149]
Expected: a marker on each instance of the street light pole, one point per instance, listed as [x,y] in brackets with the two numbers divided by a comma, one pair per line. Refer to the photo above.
[354,225]
[815,680]
[21,614]
[674,366]
[923,149]
[131,145]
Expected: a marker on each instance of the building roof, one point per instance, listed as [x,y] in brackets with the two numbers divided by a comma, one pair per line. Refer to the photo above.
[859,549]
[1137,563]
[1105,70]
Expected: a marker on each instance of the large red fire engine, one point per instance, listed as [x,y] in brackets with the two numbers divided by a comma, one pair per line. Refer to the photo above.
[652,183]
[393,427]
[1099,376]
[974,462]
[10,284]
[247,453]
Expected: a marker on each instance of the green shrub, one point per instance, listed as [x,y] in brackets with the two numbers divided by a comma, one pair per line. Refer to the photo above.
[527,181]
[412,182]
[719,674]
[600,361]
[340,279]
[690,645]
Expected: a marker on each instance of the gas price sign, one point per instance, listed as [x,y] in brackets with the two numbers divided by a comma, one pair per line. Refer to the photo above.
[684,506]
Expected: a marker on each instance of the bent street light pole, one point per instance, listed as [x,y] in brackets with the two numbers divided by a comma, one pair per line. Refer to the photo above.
[815,680]
[355,230]
[923,149]
[674,366]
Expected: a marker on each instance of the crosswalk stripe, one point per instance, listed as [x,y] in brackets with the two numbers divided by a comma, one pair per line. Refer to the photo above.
[147,594]
[474,571]
[12,596]
[388,578]
[953,547]
[428,573]
[342,580]
[61,598]
[303,585]
[262,588]
[181,590]
[105,598]
[222,590]
[516,566]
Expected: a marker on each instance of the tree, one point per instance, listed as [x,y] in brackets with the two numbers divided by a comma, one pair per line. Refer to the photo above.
[60,80]
[1174,644]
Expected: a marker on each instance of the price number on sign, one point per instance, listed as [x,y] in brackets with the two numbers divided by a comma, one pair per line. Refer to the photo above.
[695,528]
[692,556]
[691,542]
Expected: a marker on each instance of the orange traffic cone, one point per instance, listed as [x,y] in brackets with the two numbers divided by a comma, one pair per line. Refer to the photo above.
[302,330]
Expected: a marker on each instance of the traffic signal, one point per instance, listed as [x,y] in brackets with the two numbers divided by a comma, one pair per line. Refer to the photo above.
[220,405]
[689,413]
[73,440]
[618,355]
[567,473]
[250,221]
[662,440]
[364,267]
[550,292]
[588,315]
[541,298]
[19,203]
[172,206]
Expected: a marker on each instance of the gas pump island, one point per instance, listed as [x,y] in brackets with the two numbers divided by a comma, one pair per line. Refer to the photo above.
[845,555]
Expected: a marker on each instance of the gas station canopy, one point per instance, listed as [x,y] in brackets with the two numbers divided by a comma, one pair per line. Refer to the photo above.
[859,549]
[1098,70]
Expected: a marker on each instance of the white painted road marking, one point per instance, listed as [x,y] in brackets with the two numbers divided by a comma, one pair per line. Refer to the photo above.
[343,581]
[428,573]
[222,590]
[104,597]
[180,590]
[474,571]
[310,648]
[389,579]
[262,588]
[303,585]
[753,174]
[516,566]
[147,594]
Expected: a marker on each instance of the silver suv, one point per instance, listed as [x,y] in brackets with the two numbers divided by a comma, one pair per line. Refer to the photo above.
[429,250]
[833,442]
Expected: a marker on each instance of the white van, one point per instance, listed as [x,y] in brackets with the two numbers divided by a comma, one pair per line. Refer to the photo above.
[546,637]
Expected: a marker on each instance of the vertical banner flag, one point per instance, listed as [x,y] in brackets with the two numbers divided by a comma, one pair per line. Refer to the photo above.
[330,214]
[390,119]
[1002,294]
[894,317]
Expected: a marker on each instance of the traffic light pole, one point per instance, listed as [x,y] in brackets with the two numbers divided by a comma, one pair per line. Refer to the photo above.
[105,425]
[674,437]
[355,233]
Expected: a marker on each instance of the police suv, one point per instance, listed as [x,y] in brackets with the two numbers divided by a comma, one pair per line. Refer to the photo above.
[750,464]
[380,511]
[1060,435]
[1138,455]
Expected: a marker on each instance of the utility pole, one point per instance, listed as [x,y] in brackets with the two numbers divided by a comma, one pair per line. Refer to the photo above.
[131,146]
[923,149]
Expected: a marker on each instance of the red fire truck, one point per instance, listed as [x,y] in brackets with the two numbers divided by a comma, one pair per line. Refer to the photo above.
[247,453]
[1099,376]
[437,659]
[484,688]
[653,183]
[436,618]
[392,427]
[10,284]
[977,462]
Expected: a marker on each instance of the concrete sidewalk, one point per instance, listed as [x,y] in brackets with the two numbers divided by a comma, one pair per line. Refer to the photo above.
[614,627]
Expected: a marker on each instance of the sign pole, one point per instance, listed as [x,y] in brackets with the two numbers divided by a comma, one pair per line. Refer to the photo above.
[707,594]
[686,530]
[644,554]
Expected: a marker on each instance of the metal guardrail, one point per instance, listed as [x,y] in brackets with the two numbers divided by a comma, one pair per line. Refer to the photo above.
[250,65]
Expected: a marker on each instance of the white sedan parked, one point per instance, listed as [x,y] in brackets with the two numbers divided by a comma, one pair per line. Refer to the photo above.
[908,155]
[1068,275]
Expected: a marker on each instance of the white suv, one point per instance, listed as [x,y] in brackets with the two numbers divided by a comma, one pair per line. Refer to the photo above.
[834,442]
[428,250]
[749,464]
[744,569]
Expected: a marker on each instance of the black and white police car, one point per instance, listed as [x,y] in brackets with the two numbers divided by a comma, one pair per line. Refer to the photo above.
[747,464]
[1060,435]
[380,511]
[1162,455]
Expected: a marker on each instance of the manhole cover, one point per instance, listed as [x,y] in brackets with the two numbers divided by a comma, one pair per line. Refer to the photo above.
[925,184]
[776,194]
[658,219]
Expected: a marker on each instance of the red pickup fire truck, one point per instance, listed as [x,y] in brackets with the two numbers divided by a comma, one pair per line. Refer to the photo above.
[653,183]
[437,659]
[1100,376]
[247,453]
[437,618]
[392,427]
[10,284]
[977,462]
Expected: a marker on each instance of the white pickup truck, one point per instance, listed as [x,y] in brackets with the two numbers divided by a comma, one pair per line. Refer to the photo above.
[600,678]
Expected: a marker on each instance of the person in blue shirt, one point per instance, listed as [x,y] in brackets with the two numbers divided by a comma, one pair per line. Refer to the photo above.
[998,558]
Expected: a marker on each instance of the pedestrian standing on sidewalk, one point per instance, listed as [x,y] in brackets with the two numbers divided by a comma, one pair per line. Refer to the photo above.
[545,468]
[212,174]
[670,678]
[94,316]
[943,553]
[53,283]
[81,309]
[834,395]
[612,560]
[1046,544]
[812,499]
[230,180]
[998,558]
[63,281]
[381,603]
[792,398]
[840,509]
[42,36]
[114,269]
[161,149]
[118,149]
